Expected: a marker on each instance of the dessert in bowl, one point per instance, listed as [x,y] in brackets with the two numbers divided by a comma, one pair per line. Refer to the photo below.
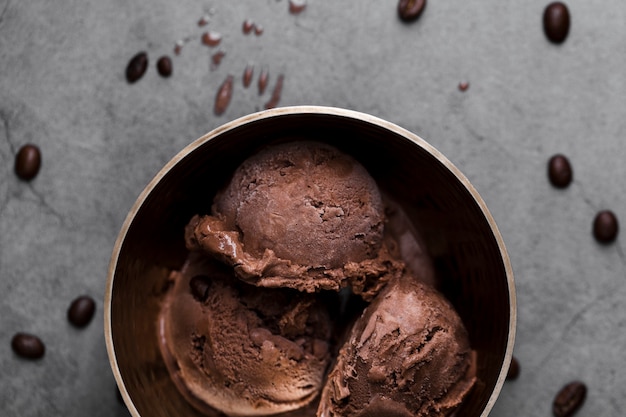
[310,261]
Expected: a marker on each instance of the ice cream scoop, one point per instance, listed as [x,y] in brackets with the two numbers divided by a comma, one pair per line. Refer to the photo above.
[241,350]
[408,355]
[302,215]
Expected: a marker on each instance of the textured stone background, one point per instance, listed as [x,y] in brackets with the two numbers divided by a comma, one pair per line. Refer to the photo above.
[62,87]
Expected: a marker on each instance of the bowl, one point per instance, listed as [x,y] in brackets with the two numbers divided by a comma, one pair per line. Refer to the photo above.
[461,237]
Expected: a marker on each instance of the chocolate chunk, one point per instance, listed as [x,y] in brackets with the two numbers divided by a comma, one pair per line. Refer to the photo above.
[556,21]
[605,226]
[28,346]
[569,399]
[27,162]
[137,67]
[81,311]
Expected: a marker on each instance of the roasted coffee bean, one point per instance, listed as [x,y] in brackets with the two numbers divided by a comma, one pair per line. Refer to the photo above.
[410,10]
[248,26]
[200,287]
[27,162]
[559,171]
[569,399]
[137,67]
[605,226]
[164,66]
[248,73]
[264,77]
[81,311]
[556,22]
[223,96]
[27,346]
[276,93]
[297,6]
[514,369]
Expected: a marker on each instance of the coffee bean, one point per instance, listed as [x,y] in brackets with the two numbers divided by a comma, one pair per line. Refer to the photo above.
[248,25]
[216,59]
[223,96]
[200,287]
[137,67]
[264,77]
[211,38]
[81,311]
[605,226]
[559,171]
[164,66]
[297,6]
[247,75]
[276,93]
[556,21]
[27,346]
[569,399]
[27,162]
[514,369]
[410,10]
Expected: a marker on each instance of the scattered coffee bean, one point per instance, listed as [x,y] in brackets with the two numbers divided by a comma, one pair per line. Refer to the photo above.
[248,73]
[297,6]
[200,287]
[27,346]
[556,22]
[463,86]
[559,171]
[164,66]
[137,67]
[223,96]
[248,26]
[216,59]
[605,226]
[204,20]
[569,399]
[410,10]
[27,162]
[211,38]
[81,311]
[276,93]
[178,47]
[263,80]
[514,369]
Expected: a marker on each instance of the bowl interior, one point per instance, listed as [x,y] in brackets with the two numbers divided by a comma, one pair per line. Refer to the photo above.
[461,237]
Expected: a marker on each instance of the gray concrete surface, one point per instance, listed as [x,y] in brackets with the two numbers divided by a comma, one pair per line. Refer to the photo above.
[62,87]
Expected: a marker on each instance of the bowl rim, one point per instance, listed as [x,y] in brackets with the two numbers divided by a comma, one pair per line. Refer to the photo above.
[303,110]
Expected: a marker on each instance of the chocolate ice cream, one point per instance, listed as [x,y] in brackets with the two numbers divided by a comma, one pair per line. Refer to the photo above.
[297,244]
[239,349]
[408,355]
[301,215]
